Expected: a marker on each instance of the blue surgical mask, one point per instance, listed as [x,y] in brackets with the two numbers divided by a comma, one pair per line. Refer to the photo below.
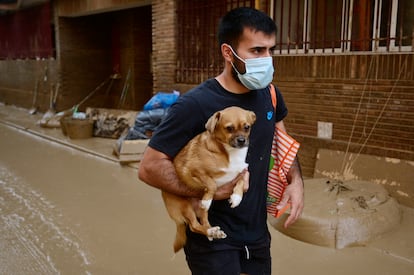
[259,72]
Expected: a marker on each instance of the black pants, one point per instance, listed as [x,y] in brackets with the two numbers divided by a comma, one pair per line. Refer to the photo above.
[229,262]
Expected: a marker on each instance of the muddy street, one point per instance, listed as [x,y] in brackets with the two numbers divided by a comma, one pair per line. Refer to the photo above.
[63,211]
[67,212]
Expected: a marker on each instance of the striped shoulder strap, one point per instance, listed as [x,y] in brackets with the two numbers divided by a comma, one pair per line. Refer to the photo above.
[273,95]
[283,153]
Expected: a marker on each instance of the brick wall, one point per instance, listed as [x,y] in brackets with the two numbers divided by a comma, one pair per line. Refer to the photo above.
[369,96]
[164,53]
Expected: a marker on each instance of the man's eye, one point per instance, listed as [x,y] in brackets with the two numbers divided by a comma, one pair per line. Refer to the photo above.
[257,50]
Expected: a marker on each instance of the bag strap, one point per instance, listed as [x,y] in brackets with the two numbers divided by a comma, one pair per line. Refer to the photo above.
[273,95]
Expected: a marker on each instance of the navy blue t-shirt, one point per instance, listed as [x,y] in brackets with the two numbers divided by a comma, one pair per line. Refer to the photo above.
[245,224]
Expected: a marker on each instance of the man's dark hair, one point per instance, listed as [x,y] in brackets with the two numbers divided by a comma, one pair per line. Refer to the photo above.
[233,23]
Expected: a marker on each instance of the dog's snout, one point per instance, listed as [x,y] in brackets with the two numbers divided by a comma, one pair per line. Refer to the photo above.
[241,141]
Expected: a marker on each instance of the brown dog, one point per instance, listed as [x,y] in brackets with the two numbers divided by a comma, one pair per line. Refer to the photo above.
[210,159]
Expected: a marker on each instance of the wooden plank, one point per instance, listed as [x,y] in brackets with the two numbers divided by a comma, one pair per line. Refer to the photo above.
[133,146]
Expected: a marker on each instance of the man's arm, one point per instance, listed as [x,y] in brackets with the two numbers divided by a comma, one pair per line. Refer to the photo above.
[294,192]
[157,170]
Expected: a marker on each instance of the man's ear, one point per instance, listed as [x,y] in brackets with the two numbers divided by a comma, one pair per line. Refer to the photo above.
[212,122]
[226,52]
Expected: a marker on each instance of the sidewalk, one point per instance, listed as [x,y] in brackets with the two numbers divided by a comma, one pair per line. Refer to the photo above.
[21,119]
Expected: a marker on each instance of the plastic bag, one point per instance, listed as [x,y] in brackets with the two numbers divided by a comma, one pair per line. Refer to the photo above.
[161,100]
[146,121]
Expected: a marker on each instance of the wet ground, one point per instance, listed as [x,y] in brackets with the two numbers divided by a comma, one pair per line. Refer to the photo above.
[68,207]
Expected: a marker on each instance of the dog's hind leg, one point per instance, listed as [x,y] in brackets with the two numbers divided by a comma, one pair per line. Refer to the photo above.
[212,232]
[204,227]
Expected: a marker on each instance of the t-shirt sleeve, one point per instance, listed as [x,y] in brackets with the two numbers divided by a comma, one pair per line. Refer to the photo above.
[182,123]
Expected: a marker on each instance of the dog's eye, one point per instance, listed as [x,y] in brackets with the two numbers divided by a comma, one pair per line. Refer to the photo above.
[246,128]
[230,129]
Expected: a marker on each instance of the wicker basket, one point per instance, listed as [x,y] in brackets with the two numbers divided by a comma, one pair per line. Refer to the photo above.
[77,128]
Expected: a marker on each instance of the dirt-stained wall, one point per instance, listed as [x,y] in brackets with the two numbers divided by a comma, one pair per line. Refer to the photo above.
[27,83]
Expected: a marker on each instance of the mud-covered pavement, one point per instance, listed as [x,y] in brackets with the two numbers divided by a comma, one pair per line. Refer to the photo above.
[65,211]
[62,211]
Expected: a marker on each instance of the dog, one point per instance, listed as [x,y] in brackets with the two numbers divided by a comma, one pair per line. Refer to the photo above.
[210,159]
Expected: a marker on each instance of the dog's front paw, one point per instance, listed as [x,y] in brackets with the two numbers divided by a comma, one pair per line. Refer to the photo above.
[235,200]
[215,233]
[205,204]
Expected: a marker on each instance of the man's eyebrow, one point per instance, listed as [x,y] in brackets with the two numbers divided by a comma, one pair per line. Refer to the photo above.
[259,48]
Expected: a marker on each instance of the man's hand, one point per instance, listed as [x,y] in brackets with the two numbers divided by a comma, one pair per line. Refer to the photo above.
[294,194]
[224,191]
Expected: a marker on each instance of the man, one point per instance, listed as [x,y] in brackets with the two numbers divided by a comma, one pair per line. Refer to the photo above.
[247,38]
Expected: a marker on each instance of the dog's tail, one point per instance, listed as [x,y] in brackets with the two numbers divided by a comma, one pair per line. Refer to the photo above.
[180,237]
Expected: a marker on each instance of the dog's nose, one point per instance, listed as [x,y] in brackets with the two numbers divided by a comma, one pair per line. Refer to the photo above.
[241,141]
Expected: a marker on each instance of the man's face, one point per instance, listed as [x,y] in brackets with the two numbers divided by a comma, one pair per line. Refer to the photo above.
[252,44]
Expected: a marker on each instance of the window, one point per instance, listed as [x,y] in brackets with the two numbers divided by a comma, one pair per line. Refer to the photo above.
[393,25]
[304,26]
[328,26]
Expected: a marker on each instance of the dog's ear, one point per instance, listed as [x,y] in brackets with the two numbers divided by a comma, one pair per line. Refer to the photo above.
[212,122]
[251,117]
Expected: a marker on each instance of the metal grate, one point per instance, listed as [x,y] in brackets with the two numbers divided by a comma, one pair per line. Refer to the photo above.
[337,26]
[198,54]
[304,27]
